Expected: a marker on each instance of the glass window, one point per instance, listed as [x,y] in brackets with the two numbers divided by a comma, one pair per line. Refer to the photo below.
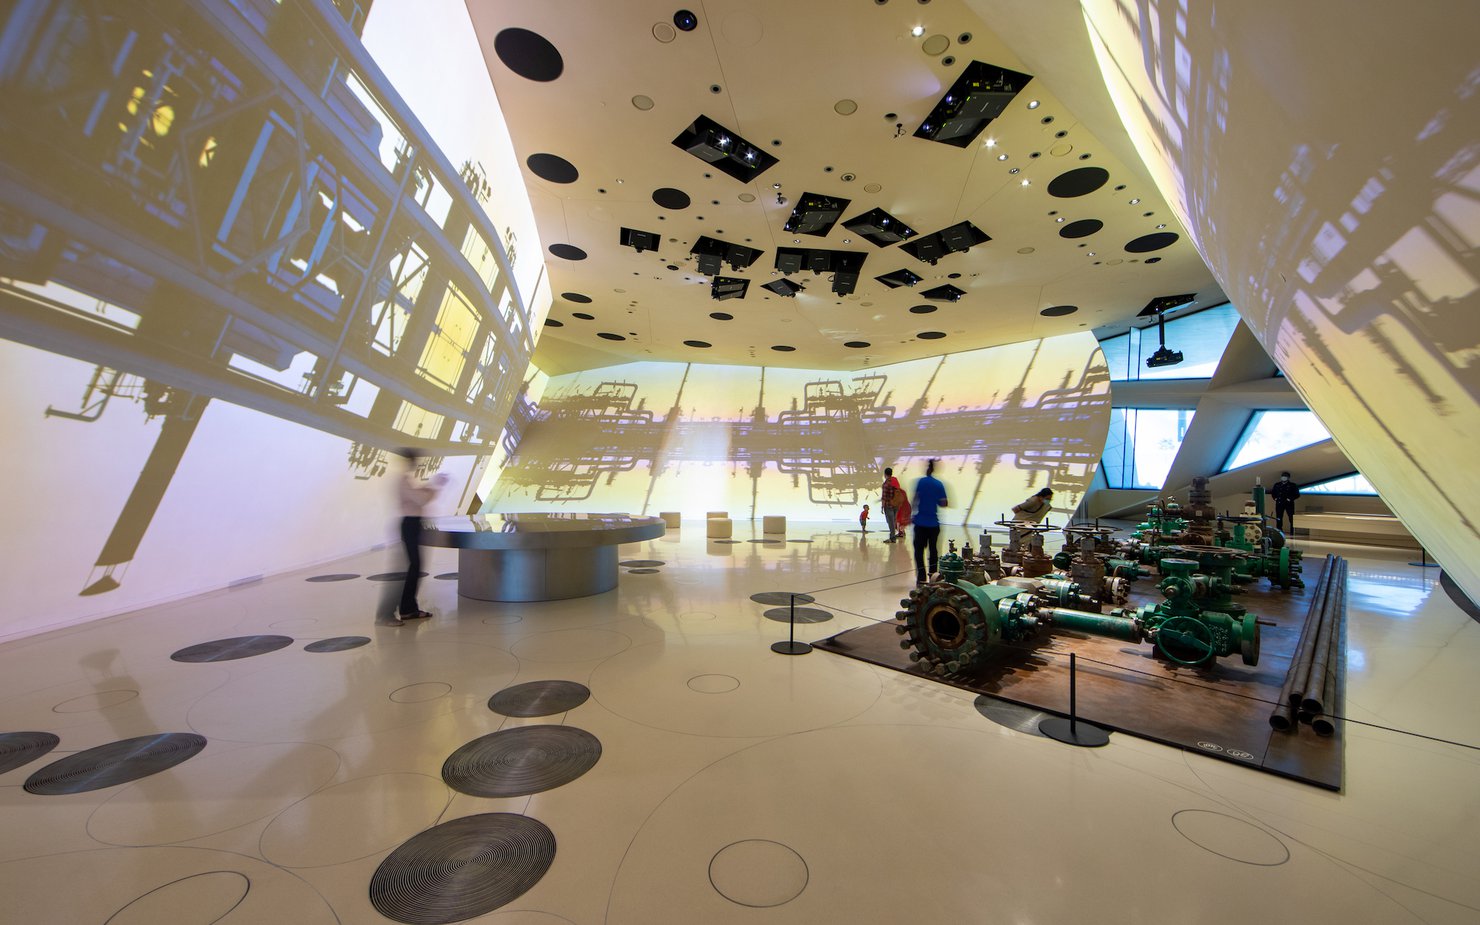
[1117,356]
[1354,484]
[1142,444]
[1271,433]
[1201,337]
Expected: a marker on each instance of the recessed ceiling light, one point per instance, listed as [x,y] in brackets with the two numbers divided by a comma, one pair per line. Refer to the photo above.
[1015,170]
[847,240]
[1059,219]
[620,180]
[1002,157]
[1162,225]
[1091,253]
[917,31]
[1032,104]
[990,142]
[1135,201]
[1026,181]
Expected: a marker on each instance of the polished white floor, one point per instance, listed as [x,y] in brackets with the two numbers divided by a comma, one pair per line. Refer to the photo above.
[734,785]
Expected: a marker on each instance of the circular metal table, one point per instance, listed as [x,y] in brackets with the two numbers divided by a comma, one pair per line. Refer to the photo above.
[537,557]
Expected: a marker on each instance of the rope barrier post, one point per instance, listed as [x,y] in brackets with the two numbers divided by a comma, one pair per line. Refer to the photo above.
[791,646]
[1069,731]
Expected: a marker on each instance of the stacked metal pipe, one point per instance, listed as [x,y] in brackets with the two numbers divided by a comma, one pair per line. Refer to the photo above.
[1318,666]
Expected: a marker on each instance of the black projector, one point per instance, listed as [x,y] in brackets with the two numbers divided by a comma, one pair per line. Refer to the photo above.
[1164,357]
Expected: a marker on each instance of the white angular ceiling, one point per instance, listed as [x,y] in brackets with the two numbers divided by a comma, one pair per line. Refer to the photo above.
[782,75]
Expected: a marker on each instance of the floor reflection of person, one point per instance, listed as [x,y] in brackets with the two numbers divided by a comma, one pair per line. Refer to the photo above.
[1035,508]
[414,496]
[930,495]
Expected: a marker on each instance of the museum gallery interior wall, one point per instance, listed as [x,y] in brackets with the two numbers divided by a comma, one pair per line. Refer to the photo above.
[222,305]
[1336,205]
[651,437]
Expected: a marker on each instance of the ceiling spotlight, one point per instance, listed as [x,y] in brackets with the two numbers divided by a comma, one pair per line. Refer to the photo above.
[1032,104]
[1026,181]
[1002,157]
[1162,225]
[1059,220]
[917,31]
[1015,170]
[990,142]
[775,186]
[685,20]
[1135,201]
[1091,253]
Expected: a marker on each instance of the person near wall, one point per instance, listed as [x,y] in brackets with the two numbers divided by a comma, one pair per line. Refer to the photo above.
[930,496]
[1284,492]
[891,496]
[1035,508]
[413,496]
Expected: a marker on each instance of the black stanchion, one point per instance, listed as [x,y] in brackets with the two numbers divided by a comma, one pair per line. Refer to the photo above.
[791,646]
[1070,731]
[1423,556]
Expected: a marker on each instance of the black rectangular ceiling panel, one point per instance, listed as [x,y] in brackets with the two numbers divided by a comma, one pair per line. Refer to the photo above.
[879,228]
[726,151]
[981,94]
[815,214]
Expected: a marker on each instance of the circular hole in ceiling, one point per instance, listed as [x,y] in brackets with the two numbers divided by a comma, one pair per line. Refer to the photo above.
[948,60]
[567,251]
[1153,260]
[857,344]
[716,88]
[1061,133]
[672,266]
[1058,311]
[609,336]
[783,348]
[552,323]
[1151,242]
[922,309]
[935,45]
[1081,181]
[1081,229]
[1120,187]
[553,167]
[890,116]
[670,198]
[931,335]
[1084,156]
[697,343]
[845,107]
[528,54]
[963,38]
[686,20]
[953,276]
[1046,120]
[576,297]
[722,316]
[583,316]
[642,102]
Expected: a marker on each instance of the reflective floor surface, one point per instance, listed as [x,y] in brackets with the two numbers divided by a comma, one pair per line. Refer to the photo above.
[705,779]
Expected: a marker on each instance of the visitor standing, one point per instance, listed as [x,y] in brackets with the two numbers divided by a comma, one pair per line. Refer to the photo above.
[891,497]
[1284,494]
[930,496]
[863,519]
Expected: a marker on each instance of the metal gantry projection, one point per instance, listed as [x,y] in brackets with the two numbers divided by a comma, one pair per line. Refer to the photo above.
[831,437]
[227,199]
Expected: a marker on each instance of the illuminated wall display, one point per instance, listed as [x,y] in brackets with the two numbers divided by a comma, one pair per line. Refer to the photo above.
[225,236]
[1347,243]
[648,437]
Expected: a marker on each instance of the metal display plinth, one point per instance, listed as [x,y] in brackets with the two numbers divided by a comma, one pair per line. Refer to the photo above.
[535,574]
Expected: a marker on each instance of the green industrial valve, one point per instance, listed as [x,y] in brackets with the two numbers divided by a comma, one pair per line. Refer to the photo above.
[952,566]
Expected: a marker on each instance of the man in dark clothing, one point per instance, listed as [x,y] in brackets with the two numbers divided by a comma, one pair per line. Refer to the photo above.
[930,494]
[1284,494]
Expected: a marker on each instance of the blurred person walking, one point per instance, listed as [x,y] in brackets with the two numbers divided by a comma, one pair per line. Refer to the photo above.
[413,496]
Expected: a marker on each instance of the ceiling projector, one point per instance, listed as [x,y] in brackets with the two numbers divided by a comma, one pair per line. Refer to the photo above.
[1164,357]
